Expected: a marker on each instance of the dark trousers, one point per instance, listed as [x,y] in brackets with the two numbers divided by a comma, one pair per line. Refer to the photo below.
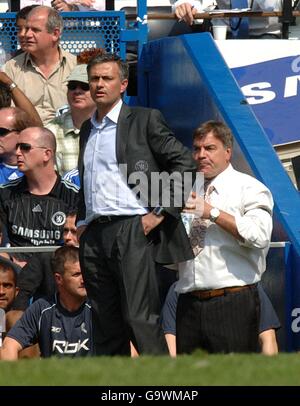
[121,280]
[222,324]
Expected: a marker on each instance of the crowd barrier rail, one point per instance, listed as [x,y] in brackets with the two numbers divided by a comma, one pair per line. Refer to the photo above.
[83,30]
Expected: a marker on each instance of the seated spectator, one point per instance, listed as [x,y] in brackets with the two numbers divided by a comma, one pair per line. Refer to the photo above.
[68,311]
[66,126]
[12,121]
[33,208]
[36,279]
[8,283]
[8,291]
[42,70]
[258,26]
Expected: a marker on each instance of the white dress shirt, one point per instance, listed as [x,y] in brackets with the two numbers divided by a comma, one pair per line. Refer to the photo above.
[225,261]
[105,189]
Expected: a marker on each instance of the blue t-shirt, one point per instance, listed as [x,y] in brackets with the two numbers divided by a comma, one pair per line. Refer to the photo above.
[57,331]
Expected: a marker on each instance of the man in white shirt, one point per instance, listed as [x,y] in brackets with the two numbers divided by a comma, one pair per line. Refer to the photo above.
[259,26]
[218,306]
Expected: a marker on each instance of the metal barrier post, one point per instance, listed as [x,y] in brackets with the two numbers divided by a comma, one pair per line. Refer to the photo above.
[288,295]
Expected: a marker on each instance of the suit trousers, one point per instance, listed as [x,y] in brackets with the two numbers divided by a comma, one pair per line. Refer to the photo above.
[223,324]
[120,276]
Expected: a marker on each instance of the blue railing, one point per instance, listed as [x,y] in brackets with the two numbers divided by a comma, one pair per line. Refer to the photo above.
[87,30]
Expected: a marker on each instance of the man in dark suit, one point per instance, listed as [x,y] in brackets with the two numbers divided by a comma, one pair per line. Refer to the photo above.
[125,224]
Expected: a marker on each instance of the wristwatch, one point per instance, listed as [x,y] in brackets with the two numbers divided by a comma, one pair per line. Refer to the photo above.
[214,214]
[12,86]
[159,211]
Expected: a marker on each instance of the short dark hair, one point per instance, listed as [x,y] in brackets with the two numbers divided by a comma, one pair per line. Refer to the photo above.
[219,130]
[6,265]
[48,138]
[61,256]
[5,96]
[104,58]
[72,212]
[88,54]
[23,13]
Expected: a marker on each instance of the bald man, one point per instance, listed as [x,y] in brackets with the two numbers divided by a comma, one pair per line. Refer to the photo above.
[34,207]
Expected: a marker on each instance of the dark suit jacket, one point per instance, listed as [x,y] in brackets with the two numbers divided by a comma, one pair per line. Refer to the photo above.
[145,143]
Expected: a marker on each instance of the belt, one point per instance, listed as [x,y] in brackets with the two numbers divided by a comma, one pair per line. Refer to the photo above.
[208,294]
[108,219]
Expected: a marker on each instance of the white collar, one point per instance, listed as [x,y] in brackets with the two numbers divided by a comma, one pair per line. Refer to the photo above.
[220,181]
[112,115]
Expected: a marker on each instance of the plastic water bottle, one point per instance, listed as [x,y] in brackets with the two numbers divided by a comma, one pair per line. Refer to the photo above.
[2,325]
[187,219]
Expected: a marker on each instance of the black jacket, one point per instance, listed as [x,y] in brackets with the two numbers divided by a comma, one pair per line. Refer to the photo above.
[145,143]
[35,280]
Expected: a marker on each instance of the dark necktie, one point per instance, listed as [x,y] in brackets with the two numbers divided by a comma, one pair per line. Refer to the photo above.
[199,227]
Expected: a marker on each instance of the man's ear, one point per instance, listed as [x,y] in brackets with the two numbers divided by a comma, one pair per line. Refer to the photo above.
[56,34]
[49,154]
[57,278]
[229,154]
[124,85]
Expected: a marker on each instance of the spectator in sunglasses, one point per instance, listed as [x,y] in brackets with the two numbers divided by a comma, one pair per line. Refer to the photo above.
[33,208]
[12,120]
[66,126]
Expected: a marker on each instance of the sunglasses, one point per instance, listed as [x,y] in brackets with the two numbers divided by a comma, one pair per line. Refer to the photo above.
[5,131]
[83,86]
[27,147]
